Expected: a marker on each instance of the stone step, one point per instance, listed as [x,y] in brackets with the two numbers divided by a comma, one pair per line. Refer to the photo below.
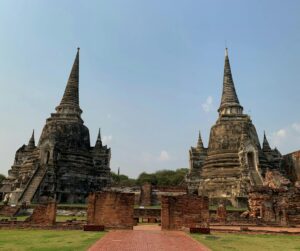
[31,188]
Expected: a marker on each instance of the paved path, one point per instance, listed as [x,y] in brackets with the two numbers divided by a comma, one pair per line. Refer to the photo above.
[147,239]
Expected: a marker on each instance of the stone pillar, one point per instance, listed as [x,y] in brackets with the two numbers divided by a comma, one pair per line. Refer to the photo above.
[44,214]
[221,213]
[146,192]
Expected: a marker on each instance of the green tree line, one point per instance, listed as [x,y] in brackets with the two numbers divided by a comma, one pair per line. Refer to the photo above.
[158,178]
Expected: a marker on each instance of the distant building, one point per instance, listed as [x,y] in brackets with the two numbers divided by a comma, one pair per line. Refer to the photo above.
[63,164]
[234,159]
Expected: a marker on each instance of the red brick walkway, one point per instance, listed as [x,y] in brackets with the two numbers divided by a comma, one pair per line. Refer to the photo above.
[147,240]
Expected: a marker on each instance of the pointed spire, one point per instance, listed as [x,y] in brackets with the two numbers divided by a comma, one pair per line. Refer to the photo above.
[99,134]
[99,141]
[70,100]
[266,145]
[200,142]
[31,142]
[229,97]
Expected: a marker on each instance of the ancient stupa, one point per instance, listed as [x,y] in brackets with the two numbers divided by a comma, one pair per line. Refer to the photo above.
[234,159]
[63,165]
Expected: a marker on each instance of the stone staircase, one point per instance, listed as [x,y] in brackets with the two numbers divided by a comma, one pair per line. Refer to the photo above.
[33,184]
[255,178]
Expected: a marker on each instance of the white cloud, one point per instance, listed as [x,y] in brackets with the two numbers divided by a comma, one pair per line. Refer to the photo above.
[107,139]
[278,137]
[208,105]
[287,139]
[164,156]
[296,127]
[109,116]
[281,133]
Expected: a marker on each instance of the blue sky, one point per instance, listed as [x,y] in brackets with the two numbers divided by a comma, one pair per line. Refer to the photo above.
[151,72]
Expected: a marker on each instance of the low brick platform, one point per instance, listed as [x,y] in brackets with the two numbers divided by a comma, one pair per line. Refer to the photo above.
[256,229]
[147,240]
[93,228]
[200,230]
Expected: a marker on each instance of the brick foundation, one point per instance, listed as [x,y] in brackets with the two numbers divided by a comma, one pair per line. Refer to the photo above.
[111,209]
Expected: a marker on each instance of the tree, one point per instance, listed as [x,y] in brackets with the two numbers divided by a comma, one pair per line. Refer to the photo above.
[146,178]
[163,177]
[122,180]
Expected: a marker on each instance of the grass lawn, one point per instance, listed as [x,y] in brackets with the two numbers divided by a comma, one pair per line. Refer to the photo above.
[47,240]
[230,208]
[249,242]
[59,218]
[149,207]
[63,218]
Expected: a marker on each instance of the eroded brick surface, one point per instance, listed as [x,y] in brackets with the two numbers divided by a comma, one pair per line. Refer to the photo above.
[111,209]
[184,211]
[43,214]
[146,191]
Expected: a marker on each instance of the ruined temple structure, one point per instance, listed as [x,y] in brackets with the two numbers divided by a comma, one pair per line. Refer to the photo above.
[63,165]
[277,201]
[234,159]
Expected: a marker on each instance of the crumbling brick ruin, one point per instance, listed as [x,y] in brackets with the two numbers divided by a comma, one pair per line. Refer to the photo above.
[278,201]
[43,214]
[184,211]
[146,192]
[151,195]
[111,209]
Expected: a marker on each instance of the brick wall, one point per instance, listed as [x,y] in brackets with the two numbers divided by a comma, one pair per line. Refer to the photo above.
[146,191]
[281,206]
[184,211]
[111,209]
[43,214]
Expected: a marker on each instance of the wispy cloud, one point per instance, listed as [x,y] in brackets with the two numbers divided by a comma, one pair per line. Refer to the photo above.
[287,138]
[107,139]
[296,127]
[208,105]
[164,156]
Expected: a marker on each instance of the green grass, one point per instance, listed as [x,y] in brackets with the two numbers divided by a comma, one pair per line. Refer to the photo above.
[19,218]
[72,205]
[249,242]
[149,207]
[230,208]
[59,218]
[47,240]
[62,218]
